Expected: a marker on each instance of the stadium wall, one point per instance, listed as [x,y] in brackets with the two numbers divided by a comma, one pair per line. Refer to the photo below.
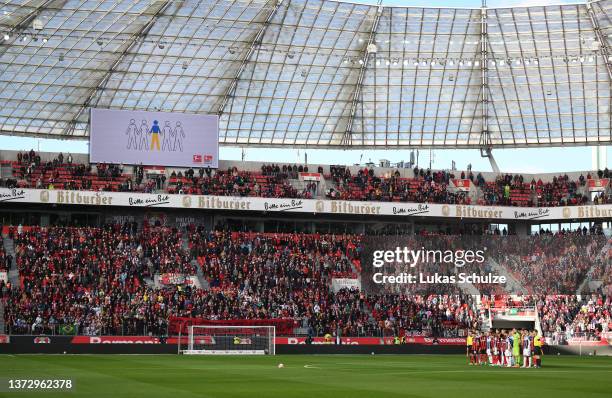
[143,345]
[134,345]
[252,205]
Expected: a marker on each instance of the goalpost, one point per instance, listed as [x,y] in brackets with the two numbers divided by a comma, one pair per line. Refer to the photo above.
[230,340]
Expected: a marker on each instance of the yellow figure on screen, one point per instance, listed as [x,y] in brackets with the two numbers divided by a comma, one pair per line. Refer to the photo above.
[155,131]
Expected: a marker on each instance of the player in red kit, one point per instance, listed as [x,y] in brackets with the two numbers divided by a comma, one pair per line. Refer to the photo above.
[499,346]
[494,349]
[476,349]
[483,350]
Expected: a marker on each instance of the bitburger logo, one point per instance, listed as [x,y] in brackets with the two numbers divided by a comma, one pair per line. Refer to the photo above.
[44,196]
[445,210]
[319,206]
[187,201]
[567,213]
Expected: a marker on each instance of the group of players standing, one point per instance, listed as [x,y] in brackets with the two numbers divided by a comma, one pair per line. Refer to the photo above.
[512,349]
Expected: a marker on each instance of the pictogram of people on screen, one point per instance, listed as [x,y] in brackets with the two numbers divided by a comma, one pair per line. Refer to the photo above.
[145,138]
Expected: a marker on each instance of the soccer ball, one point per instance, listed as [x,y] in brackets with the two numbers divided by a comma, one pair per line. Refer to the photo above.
[280,366]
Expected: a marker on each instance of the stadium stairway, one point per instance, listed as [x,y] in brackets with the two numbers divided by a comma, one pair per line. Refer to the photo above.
[299,185]
[357,272]
[9,247]
[2,325]
[322,188]
[588,281]
[149,281]
[203,282]
[6,169]
[469,288]
[474,194]
[484,314]
[538,324]
[512,286]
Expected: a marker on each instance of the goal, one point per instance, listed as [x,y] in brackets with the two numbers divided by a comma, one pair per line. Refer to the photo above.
[231,340]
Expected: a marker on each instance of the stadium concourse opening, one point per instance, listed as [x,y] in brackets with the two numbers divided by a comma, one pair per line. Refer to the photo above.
[144,241]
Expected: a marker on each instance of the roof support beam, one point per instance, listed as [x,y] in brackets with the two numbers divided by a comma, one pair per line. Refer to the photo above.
[370,47]
[254,45]
[485,135]
[603,44]
[160,8]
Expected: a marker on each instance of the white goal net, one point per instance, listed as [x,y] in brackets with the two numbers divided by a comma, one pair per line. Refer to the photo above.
[231,340]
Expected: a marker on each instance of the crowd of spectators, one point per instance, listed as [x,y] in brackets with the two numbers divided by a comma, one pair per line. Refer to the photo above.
[556,313]
[429,186]
[73,276]
[593,318]
[5,258]
[425,187]
[438,315]
[287,171]
[567,317]
[550,263]
[98,281]
[93,279]
[29,171]
[234,182]
[163,247]
[280,181]
[595,229]
[603,198]
[513,190]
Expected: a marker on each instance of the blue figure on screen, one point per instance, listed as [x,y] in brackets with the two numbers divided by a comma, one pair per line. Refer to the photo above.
[155,132]
[132,132]
[143,145]
[179,134]
[167,132]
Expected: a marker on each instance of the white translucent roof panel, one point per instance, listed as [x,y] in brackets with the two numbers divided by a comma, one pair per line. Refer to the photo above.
[293,72]
[297,88]
[423,86]
[553,86]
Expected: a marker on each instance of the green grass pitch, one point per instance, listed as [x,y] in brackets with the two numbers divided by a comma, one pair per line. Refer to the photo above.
[333,376]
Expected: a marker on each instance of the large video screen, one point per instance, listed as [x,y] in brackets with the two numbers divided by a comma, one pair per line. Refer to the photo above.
[154,138]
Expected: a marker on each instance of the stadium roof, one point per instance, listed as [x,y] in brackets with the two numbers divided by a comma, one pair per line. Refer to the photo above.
[312,72]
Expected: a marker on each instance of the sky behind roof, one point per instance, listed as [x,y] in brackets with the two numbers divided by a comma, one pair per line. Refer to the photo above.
[534,160]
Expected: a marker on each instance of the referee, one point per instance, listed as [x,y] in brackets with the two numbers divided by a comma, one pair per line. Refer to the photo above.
[537,350]
[468,347]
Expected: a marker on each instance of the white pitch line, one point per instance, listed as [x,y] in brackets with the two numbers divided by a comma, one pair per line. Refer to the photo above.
[311,367]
